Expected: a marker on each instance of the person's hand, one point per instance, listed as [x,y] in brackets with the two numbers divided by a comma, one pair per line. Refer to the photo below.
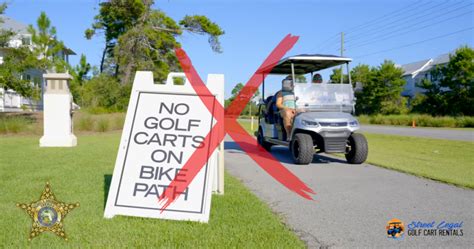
[300,110]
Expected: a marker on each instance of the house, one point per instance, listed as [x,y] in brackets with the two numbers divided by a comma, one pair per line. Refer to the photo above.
[414,73]
[10,101]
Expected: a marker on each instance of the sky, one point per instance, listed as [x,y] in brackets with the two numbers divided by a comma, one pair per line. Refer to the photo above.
[403,31]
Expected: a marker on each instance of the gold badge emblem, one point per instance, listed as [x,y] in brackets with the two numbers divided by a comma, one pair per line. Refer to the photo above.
[47,214]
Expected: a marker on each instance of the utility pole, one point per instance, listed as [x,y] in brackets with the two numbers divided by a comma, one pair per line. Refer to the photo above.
[342,54]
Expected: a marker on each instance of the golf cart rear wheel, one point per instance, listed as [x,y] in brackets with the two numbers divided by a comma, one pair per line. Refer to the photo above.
[357,149]
[261,140]
[302,149]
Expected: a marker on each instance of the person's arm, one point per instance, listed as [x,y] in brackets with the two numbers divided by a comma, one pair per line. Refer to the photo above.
[279,101]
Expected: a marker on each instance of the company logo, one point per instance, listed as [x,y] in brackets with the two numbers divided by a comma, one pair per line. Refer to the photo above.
[418,228]
[395,229]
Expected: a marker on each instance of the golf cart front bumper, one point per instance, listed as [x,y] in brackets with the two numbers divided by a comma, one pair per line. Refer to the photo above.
[330,135]
[335,140]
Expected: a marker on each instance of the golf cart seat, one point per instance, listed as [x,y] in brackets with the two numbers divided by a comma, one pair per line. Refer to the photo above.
[269,110]
[272,114]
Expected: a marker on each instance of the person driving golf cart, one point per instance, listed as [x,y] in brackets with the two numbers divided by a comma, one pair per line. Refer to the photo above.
[317,79]
[286,104]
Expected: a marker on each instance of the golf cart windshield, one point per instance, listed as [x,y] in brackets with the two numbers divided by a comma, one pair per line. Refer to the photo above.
[325,97]
[319,96]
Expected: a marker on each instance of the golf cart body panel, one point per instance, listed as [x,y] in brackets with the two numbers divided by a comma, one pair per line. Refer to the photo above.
[323,122]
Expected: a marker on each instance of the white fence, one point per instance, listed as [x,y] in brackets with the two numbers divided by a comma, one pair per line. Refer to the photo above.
[10,101]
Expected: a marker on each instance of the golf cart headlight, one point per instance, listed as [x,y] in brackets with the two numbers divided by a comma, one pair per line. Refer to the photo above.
[354,123]
[309,123]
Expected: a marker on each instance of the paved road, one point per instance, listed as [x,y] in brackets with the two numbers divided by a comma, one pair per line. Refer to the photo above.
[463,135]
[354,202]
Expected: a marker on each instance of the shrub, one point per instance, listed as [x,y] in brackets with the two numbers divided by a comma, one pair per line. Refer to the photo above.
[86,123]
[16,124]
[465,121]
[102,125]
[420,119]
[104,94]
[119,121]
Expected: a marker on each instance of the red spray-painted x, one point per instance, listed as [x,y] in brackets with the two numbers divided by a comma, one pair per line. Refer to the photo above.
[247,143]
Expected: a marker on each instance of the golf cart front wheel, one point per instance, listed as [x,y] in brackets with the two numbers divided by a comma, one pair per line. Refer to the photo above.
[302,148]
[357,149]
[261,140]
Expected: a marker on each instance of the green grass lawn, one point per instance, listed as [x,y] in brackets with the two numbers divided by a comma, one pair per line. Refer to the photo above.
[81,174]
[443,160]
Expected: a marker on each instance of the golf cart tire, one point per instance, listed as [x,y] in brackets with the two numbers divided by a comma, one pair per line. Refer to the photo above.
[359,149]
[261,140]
[302,148]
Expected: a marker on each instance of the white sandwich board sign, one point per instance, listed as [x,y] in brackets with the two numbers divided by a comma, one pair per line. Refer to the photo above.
[165,123]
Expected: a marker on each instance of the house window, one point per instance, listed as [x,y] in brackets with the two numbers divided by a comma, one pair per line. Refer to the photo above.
[26,40]
[28,77]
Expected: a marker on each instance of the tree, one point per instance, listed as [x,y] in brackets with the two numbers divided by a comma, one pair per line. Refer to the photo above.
[361,73]
[15,62]
[432,101]
[452,90]
[81,71]
[251,107]
[79,74]
[114,19]
[382,90]
[105,92]
[335,77]
[138,37]
[5,35]
[46,46]
[458,77]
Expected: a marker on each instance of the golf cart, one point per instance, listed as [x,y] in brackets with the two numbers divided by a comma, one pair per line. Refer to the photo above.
[323,120]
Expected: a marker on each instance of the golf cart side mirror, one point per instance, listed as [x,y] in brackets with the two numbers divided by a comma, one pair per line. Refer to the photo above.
[296,98]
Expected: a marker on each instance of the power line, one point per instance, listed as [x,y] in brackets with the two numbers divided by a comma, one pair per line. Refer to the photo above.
[384,17]
[413,19]
[415,43]
[408,31]
[324,43]
[361,26]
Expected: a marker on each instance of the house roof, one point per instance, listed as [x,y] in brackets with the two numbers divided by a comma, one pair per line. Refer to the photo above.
[444,58]
[8,23]
[424,65]
[13,25]
[412,68]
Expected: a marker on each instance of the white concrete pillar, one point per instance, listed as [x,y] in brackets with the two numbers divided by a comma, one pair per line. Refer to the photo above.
[57,112]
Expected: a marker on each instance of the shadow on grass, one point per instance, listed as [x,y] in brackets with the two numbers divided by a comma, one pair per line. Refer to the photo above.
[282,154]
[107,181]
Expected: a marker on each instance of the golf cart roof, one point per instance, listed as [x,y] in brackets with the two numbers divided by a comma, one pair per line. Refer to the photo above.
[307,63]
